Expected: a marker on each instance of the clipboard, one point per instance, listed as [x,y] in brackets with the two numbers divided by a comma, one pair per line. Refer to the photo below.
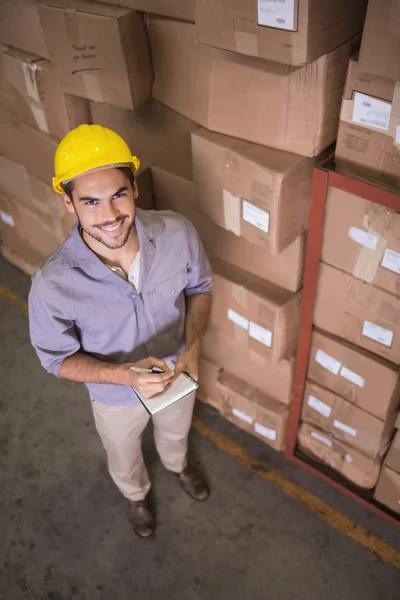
[183,386]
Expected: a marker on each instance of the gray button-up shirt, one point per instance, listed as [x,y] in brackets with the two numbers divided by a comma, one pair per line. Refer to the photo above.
[78,303]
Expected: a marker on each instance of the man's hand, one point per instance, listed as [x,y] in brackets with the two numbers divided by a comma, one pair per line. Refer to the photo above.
[148,384]
[189,362]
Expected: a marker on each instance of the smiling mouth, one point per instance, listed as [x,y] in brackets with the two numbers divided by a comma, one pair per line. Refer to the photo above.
[114,228]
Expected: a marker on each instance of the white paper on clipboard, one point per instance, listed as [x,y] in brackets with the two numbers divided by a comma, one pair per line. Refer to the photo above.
[182,387]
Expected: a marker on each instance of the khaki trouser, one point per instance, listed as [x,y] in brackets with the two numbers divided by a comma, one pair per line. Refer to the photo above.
[121,428]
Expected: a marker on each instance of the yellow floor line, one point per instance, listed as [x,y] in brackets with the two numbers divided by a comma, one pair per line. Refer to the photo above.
[317,506]
[13,299]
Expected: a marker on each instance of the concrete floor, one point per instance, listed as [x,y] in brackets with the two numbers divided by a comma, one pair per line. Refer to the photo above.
[63,524]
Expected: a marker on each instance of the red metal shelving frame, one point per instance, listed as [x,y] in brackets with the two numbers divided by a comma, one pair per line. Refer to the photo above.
[324,177]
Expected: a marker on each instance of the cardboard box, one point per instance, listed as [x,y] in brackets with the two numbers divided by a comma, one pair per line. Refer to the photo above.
[28,146]
[256,313]
[392,459]
[294,32]
[13,244]
[380,46]
[289,108]
[346,422]
[208,378]
[362,239]
[362,378]
[258,193]
[355,466]
[359,312]
[98,52]
[275,380]
[177,9]
[39,231]
[154,132]
[253,411]
[20,26]
[18,253]
[16,182]
[10,224]
[369,119]
[178,194]
[145,187]
[30,91]
[388,489]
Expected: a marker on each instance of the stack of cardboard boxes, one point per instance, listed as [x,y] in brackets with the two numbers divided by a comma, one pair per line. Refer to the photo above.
[369,133]
[34,114]
[352,393]
[232,113]
[246,184]
[42,99]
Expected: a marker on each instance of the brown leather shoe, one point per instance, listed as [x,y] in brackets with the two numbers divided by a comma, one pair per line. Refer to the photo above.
[141,519]
[193,484]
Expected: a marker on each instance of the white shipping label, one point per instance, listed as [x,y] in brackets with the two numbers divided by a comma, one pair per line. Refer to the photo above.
[266,432]
[377,333]
[371,112]
[344,427]
[328,362]
[241,415]
[319,406]
[363,237]
[353,377]
[391,261]
[276,13]
[255,216]
[7,218]
[321,438]
[262,335]
[238,319]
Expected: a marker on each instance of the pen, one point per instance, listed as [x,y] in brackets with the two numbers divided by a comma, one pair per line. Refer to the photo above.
[153,370]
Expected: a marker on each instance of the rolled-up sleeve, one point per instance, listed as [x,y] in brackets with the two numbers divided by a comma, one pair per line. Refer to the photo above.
[199,269]
[52,332]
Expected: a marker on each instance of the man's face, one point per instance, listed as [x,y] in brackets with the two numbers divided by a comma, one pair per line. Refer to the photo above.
[104,202]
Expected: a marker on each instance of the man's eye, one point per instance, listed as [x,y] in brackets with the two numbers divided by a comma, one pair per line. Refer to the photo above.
[91,203]
[119,195]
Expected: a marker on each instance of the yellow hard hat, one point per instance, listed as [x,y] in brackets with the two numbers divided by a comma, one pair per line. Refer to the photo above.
[88,148]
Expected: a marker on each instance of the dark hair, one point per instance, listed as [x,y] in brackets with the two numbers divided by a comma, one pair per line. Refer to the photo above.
[127,171]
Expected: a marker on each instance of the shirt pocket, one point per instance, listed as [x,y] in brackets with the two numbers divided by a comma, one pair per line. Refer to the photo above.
[166,303]
[171,288]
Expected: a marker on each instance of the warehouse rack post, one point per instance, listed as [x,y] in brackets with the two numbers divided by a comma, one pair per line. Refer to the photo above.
[324,177]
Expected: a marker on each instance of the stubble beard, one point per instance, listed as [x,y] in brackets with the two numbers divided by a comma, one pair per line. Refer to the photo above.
[112,244]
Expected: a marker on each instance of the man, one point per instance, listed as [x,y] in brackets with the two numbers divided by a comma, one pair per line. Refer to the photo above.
[127,288]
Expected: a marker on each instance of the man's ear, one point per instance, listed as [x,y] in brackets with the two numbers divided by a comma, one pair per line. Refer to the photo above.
[68,203]
[135,190]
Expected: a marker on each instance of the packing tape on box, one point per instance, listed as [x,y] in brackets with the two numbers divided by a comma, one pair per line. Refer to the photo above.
[240,295]
[241,335]
[232,161]
[30,73]
[232,215]
[246,37]
[394,123]
[358,293]
[92,86]
[40,117]
[372,248]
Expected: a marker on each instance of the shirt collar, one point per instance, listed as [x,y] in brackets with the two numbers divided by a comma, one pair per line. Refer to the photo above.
[75,253]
